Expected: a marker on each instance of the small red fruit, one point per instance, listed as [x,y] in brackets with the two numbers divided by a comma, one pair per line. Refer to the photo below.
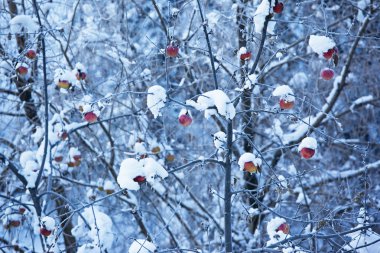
[90,117]
[22,70]
[81,75]
[185,120]
[170,158]
[58,159]
[30,54]
[172,50]
[22,210]
[63,135]
[139,179]
[77,157]
[246,56]
[251,167]
[278,7]
[45,232]
[307,153]
[156,150]
[284,227]
[73,164]
[330,53]
[327,74]
[286,105]
[63,84]
[14,223]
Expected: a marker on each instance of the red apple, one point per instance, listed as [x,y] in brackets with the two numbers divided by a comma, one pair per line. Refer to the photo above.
[30,54]
[90,117]
[284,227]
[22,70]
[185,119]
[58,158]
[251,167]
[327,74]
[81,75]
[278,7]
[286,105]
[21,210]
[63,84]
[330,53]
[307,153]
[45,232]
[139,179]
[63,135]
[172,50]
[246,56]
[14,223]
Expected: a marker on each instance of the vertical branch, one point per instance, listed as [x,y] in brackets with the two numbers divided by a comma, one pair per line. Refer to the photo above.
[46,102]
[204,25]
[227,192]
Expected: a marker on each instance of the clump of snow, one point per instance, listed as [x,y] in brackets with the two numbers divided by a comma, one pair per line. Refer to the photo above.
[362,5]
[220,139]
[23,23]
[74,153]
[79,67]
[249,157]
[156,99]
[361,100]
[100,230]
[30,167]
[214,98]
[250,80]
[284,92]
[301,198]
[139,148]
[275,235]
[48,223]
[65,75]
[263,10]
[184,111]
[361,238]
[108,185]
[308,142]
[131,168]
[320,44]
[142,246]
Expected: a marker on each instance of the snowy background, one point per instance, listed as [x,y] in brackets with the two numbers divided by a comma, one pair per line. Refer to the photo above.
[189,126]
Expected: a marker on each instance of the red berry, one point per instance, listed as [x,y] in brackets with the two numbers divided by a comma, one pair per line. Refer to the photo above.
[22,210]
[278,8]
[90,117]
[139,179]
[172,50]
[81,75]
[45,232]
[329,53]
[63,135]
[58,159]
[63,84]
[251,167]
[327,74]
[286,105]
[14,223]
[185,120]
[22,70]
[77,157]
[284,227]
[246,56]
[31,54]
[307,153]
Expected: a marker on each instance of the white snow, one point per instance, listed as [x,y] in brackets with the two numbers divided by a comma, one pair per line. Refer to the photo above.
[142,246]
[156,99]
[261,12]
[73,152]
[308,142]
[274,234]
[100,230]
[27,156]
[320,44]
[214,98]
[65,75]
[361,100]
[30,167]
[139,148]
[48,223]
[220,139]
[184,111]
[131,168]
[23,23]
[284,92]
[248,157]
[361,238]
[108,185]
[362,5]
